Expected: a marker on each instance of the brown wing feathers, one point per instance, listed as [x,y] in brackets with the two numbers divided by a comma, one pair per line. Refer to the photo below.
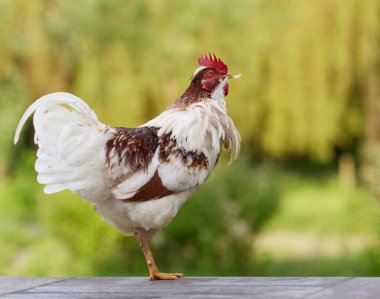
[154,189]
[190,159]
[135,148]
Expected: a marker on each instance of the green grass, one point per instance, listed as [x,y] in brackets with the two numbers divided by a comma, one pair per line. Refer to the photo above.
[325,208]
[321,229]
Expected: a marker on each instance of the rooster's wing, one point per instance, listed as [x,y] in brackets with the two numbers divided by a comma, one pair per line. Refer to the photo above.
[154,165]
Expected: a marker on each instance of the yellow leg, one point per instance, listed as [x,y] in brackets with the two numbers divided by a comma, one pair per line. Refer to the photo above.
[153,270]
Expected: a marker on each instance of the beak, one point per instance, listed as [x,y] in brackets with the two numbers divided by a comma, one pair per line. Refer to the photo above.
[229,76]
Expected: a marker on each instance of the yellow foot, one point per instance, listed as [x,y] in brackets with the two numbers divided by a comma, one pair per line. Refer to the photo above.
[165,276]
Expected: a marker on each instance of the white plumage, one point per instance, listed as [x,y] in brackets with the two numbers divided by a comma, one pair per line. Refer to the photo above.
[137,188]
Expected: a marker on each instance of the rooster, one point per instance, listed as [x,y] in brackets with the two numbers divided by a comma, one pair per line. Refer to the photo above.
[136,178]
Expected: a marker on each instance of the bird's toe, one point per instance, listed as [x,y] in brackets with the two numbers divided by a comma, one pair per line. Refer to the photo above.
[165,276]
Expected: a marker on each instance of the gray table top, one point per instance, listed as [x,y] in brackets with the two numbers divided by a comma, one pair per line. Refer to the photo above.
[190,287]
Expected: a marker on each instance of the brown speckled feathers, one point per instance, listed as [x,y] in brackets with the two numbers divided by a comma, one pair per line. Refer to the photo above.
[135,148]
[191,159]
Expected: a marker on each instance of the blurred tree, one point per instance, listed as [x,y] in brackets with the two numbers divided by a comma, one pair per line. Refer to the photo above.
[309,68]
[369,77]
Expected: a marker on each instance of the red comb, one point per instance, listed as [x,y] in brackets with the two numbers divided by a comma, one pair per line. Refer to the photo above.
[213,62]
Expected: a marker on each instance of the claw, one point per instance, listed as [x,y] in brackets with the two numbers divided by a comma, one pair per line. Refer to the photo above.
[165,276]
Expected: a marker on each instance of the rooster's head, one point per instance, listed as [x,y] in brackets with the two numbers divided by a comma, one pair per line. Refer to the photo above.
[211,72]
[208,81]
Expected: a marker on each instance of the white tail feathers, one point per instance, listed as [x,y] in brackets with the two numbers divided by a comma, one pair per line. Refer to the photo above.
[70,142]
[54,99]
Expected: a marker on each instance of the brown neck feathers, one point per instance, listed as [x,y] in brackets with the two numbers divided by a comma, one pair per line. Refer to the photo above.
[194,93]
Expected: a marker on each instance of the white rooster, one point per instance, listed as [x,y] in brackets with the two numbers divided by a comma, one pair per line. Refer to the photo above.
[136,178]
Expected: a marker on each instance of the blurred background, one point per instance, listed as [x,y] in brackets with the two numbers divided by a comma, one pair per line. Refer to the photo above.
[302,199]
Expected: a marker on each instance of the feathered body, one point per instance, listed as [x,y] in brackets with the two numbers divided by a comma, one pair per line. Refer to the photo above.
[136,178]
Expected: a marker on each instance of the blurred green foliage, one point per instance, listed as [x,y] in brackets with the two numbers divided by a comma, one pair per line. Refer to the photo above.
[307,106]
